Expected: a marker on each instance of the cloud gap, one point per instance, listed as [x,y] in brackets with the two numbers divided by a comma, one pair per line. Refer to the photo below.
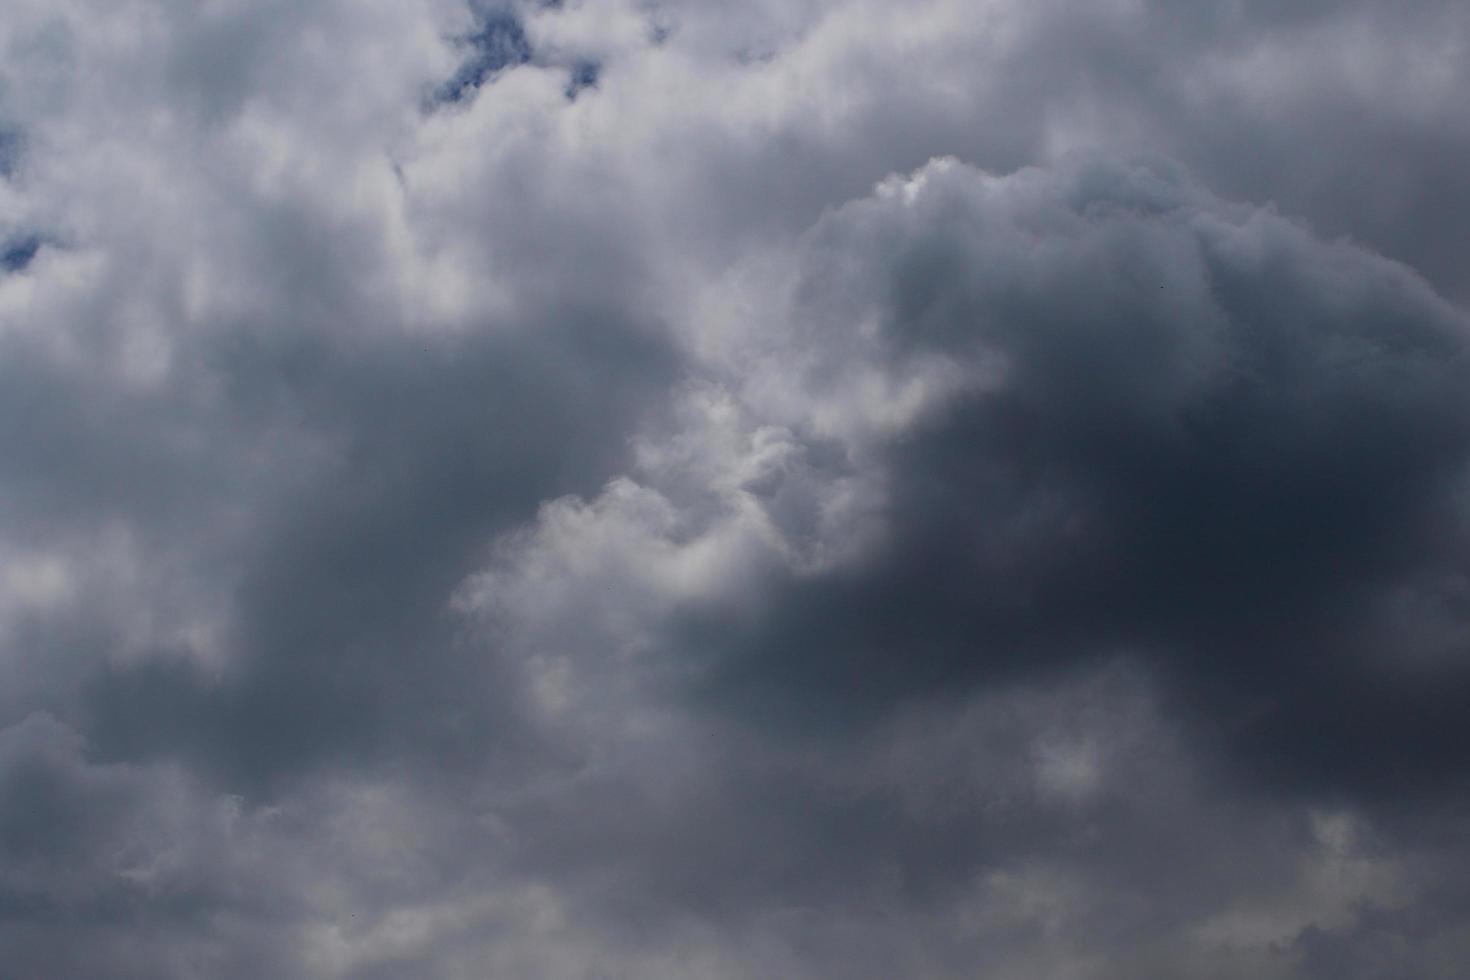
[498,43]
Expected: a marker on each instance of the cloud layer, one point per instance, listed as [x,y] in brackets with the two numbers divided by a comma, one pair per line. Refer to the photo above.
[625,489]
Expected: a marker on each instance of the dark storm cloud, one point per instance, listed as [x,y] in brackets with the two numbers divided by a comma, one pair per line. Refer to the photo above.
[589,531]
[125,851]
[437,448]
[1215,442]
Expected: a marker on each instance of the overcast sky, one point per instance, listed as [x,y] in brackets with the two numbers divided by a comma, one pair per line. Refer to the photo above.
[662,489]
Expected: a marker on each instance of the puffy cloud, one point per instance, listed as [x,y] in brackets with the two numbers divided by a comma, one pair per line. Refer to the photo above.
[1010,423]
[622,488]
[994,431]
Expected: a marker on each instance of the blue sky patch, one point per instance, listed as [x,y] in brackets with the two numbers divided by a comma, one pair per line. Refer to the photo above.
[17,253]
[584,75]
[499,43]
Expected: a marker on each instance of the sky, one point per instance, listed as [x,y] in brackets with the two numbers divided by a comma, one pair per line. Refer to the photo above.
[661,489]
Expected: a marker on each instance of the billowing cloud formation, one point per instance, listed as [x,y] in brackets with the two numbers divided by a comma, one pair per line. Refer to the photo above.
[606,488]
[1109,412]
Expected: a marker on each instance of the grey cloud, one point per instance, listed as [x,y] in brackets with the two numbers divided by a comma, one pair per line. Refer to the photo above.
[10,151]
[122,853]
[1213,439]
[338,592]
[587,530]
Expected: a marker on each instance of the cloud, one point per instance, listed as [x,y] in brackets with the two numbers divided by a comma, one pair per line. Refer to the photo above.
[1077,413]
[1002,432]
[831,488]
